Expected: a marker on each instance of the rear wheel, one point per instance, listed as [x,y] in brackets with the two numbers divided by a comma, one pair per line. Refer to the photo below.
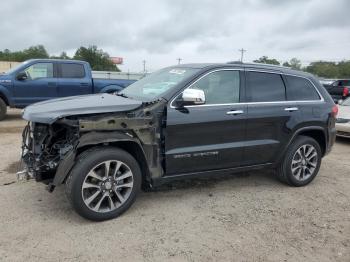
[104,183]
[301,162]
[3,109]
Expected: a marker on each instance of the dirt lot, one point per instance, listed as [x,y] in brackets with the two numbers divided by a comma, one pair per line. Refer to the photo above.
[245,217]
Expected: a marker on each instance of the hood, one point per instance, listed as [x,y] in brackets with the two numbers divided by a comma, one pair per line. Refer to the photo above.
[344,112]
[51,110]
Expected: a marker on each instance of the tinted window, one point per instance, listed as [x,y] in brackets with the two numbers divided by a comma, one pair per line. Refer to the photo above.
[300,89]
[72,71]
[39,70]
[220,87]
[265,87]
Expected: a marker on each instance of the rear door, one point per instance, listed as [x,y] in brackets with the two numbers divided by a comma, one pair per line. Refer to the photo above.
[73,80]
[209,136]
[270,117]
[41,84]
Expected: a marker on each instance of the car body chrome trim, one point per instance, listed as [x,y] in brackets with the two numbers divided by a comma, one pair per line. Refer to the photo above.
[321,100]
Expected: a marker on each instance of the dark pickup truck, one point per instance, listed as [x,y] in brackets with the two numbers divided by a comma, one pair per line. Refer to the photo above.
[339,89]
[42,79]
[184,121]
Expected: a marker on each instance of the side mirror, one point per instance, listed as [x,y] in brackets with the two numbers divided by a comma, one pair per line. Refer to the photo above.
[192,97]
[22,76]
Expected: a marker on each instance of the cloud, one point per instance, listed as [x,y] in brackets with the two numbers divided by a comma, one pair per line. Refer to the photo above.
[195,30]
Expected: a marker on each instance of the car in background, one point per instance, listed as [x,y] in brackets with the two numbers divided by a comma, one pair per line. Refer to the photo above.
[339,89]
[343,120]
[37,80]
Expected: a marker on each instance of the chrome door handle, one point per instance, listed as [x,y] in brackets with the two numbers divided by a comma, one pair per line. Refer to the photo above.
[234,112]
[291,109]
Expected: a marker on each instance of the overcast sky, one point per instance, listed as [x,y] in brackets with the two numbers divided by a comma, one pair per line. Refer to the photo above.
[160,31]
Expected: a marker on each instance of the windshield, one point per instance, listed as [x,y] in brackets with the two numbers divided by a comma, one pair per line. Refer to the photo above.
[157,83]
[346,102]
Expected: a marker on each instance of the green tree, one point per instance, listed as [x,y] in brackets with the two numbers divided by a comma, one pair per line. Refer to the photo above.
[324,69]
[63,55]
[98,59]
[38,51]
[266,60]
[293,63]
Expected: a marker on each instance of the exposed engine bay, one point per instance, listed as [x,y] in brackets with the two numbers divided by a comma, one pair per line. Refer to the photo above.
[44,146]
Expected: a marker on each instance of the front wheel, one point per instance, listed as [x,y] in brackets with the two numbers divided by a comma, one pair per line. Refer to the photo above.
[301,162]
[103,183]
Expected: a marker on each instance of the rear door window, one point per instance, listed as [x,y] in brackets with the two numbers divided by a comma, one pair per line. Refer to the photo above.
[300,89]
[70,70]
[265,87]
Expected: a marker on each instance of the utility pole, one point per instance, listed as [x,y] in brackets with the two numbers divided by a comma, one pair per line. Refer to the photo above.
[179,60]
[242,51]
[144,66]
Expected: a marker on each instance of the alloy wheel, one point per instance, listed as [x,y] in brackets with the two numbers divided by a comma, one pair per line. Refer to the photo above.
[304,162]
[107,186]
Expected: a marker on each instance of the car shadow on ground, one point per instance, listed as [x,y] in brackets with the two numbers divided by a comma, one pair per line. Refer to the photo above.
[343,140]
[61,210]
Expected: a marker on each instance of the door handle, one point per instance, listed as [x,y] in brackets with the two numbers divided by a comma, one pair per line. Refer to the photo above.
[291,109]
[234,112]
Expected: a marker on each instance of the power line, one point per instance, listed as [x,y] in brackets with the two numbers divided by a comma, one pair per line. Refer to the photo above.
[144,66]
[179,60]
[242,51]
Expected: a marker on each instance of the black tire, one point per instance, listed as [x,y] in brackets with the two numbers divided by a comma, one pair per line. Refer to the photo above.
[284,171]
[87,162]
[3,109]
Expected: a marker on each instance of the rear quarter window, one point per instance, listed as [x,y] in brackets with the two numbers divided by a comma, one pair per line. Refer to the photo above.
[265,87]
[300,89]
[70,70]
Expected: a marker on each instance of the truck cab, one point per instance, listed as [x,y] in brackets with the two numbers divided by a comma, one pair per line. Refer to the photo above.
[37,80]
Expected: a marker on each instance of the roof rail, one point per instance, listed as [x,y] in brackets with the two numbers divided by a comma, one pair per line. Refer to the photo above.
[258,64]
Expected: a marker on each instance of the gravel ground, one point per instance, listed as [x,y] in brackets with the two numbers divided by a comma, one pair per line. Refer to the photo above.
[244,217]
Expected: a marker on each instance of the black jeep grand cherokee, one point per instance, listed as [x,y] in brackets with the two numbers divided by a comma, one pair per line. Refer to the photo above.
[179,122]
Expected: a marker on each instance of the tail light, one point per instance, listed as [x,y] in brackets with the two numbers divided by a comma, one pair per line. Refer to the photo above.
[345,91]
[335,110]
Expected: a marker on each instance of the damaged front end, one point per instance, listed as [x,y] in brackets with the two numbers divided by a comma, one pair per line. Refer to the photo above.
[44,146]
[49,150]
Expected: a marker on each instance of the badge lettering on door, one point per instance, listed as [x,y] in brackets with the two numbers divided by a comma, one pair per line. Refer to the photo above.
[200,154]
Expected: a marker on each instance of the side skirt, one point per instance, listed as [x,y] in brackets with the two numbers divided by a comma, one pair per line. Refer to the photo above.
[206,174]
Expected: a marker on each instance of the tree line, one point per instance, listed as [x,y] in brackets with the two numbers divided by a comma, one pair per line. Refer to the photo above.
[324,69]
[98,59]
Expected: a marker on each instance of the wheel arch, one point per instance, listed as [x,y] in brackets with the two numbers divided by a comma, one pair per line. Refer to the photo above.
[102,139]
[111,89]
[316,132]
[4,97]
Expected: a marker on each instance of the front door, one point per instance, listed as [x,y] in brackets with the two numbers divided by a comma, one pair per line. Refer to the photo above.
[40,84]
[209,136]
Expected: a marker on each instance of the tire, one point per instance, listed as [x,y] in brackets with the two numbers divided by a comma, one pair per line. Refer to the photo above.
[3,109]
[301,162]
[102,198]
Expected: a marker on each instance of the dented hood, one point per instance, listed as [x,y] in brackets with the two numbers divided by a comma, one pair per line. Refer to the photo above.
[51,110]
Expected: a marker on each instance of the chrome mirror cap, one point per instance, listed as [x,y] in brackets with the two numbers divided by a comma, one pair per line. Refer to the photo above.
[193,96]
